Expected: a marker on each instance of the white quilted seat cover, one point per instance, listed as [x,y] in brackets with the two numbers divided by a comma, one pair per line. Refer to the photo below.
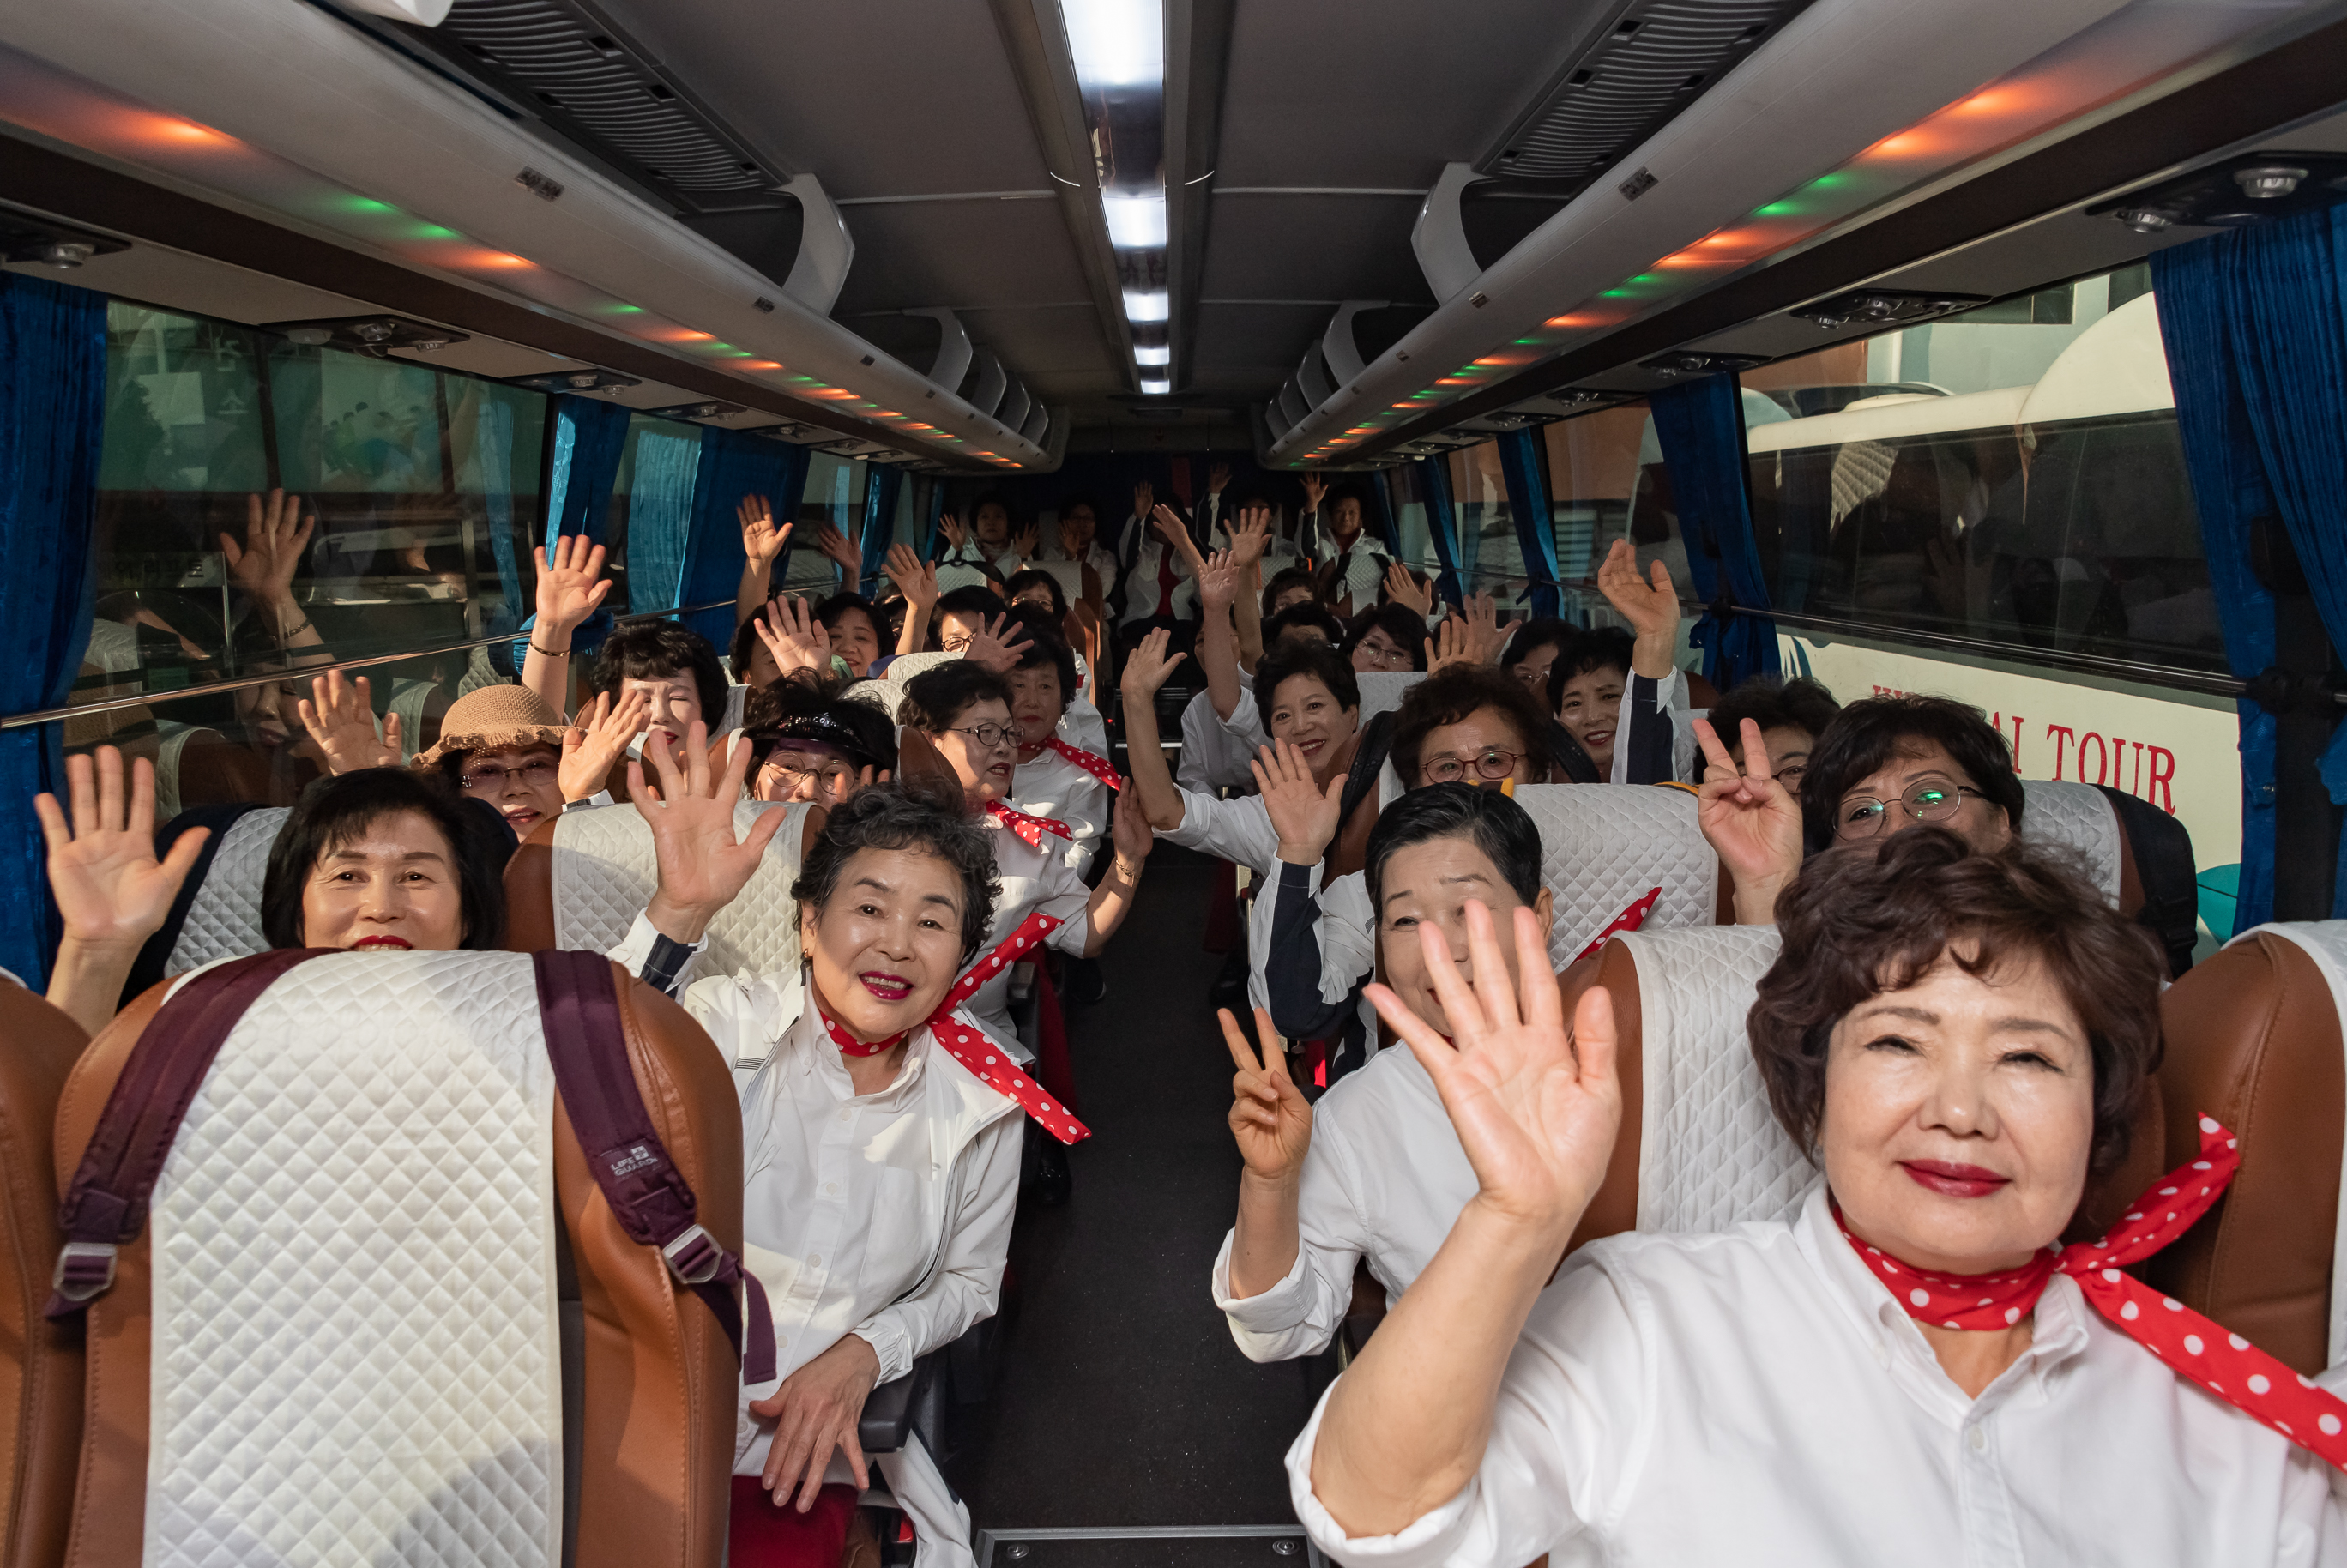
[1710,1155]
[604,873]
[2324,941]
[2077,816]
[1383,690]
[356,1350]
[1606,847]
[224,918]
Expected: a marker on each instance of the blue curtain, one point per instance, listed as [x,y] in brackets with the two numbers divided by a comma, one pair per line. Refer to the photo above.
[733,463]
[52,420]
[660,516]
[2255,325]
[1434,482]
[589,434]
[493,436]
[882,483]
[1381,516]
[931,513]
[1526,475]
[1700,425]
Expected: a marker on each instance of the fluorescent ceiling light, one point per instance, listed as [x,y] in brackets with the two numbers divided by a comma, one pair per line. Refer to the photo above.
[1146,305]
[1116,42]
[1153,354]
[1157,387]
[1135,222]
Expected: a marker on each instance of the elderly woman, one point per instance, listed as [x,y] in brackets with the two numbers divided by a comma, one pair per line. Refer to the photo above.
[384,858]
[809,744]
[1908,1364]
[1880,766]
[1373,1172]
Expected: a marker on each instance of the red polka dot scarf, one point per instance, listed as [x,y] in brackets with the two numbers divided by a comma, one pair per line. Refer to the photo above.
[1031,829]
[2225,1364]
[1091,762]
[1629,919]
[972,1047]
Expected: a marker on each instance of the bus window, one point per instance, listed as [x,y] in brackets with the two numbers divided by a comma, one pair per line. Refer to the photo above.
[2011,475]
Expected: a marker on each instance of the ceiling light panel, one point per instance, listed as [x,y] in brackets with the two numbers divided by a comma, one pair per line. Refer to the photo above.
[1117,44]
[1136,219]
[1153,353]
[1118,47]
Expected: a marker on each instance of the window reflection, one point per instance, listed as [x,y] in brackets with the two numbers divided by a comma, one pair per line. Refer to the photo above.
[2011,475]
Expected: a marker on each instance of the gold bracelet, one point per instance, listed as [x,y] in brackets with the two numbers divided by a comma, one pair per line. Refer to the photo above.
[290,636]
[549,652]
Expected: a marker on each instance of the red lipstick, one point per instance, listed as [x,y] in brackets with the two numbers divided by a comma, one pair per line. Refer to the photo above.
[398,944]
[888,988]
[1955,1181]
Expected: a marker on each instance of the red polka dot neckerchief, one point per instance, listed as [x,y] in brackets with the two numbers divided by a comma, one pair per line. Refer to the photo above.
[1091,761]
[2224,1363]
[1629,919]
[971,1047]
[1031,829]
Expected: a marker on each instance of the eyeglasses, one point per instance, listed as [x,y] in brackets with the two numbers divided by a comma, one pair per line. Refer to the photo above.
[1926,800]
[534,774]
[831,777]
[1489,763]
[989,736]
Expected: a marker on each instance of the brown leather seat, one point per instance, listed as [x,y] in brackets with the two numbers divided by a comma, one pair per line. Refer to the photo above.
[648,1446]
[2254,1040]
[40,1361]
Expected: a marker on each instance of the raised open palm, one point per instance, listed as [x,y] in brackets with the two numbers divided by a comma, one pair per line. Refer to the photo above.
[275,536]
[109,888]
[597,740]
[1649,603]
[762,539]
[793,636]
[703,864]
[1537,1107]
[340,717]
[1270,1118]
[1305,815]
[571,585]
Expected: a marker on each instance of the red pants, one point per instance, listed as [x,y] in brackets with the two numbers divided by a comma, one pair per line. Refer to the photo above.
[761,1534]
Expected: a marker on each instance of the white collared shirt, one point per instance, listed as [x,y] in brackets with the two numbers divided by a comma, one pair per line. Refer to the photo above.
[1055,787]
[886,1215]
[1030,880]
[1384,1181]
[1215,751]
[1238,830]
[1757,1397]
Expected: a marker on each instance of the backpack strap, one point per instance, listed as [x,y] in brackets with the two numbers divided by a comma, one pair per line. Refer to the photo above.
[106,1205]
[648,1194]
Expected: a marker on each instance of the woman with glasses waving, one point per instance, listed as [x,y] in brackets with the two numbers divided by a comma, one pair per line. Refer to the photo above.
[964,708]
[1883,765]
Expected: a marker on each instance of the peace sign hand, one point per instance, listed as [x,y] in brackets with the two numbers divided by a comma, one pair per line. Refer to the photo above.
[1270,1118]
[1537,1107]
[1751,820]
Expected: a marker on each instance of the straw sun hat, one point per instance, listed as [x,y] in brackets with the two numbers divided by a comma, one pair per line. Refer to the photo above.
[492,718]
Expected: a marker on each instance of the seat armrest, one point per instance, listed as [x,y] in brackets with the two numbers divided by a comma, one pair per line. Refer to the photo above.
[888,1417]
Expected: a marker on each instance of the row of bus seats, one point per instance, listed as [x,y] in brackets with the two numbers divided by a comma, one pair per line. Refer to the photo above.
[298,1280]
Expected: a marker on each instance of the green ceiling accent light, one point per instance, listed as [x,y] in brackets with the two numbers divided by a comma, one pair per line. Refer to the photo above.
[1833,181]
[1776,209]
[625,310]
[1531,342]
[367,204]
[434,232]
[1613,295]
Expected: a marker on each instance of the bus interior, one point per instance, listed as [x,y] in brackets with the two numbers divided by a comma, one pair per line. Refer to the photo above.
[1982,348]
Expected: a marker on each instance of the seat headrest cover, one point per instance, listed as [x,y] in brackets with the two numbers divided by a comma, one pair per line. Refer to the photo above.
[1383,690]
[1711,1155]
[356,1354]
[2325,942]
[1606,847]
[2076,816]
[224,918]
[604,872]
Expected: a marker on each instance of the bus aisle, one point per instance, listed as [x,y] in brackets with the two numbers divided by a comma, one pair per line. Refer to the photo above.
[1120,1406]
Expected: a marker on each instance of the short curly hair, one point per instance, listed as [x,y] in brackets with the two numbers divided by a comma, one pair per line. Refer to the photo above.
[907,814]
[1864,920]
